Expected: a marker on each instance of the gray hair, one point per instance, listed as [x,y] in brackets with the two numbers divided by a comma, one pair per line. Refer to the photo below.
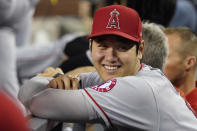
[156,45]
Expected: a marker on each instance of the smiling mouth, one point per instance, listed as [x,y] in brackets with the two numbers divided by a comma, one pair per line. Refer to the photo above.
[111,68]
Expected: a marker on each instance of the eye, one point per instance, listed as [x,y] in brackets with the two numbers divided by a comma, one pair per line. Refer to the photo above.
[125,47]
[102,46]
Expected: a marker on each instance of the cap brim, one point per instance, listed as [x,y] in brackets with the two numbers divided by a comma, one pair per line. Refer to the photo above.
[115,33]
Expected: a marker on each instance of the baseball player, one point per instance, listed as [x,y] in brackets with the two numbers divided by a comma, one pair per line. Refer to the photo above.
[16,18]
[133,96]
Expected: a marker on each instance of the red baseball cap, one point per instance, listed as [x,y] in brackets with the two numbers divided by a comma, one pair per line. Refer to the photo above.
[117,20]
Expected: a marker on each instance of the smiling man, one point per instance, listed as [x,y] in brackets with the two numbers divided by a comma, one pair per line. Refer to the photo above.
[133,95]
[114,56]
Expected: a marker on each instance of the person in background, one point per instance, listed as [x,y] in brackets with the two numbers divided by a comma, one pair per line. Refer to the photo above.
[15,24]
[181,65]
[156,46]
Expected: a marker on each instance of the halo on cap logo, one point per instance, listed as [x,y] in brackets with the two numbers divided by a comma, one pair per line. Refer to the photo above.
[105,87]
[113,20]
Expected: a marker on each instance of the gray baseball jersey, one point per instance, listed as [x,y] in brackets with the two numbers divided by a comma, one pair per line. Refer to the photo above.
[145,101]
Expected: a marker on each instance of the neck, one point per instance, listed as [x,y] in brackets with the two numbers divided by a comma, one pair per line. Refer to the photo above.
[188,83]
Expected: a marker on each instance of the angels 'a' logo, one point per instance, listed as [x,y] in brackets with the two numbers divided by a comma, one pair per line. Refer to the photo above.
[113,20]
[105,86]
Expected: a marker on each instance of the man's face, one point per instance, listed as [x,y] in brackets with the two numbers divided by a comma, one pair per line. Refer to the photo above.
[114,56]
[174,68]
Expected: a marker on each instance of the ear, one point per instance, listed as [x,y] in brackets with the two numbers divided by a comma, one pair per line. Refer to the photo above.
[141,50]
[190,62]
[90,44]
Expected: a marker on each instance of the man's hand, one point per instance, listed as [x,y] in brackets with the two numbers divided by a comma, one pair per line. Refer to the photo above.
[65,82]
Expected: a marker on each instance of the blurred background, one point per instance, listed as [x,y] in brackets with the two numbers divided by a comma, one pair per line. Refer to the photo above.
[55,18]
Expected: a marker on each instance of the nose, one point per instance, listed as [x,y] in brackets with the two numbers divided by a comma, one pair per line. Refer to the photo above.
[111,55]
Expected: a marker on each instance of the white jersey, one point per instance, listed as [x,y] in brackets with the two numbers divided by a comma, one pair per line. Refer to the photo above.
[145,101]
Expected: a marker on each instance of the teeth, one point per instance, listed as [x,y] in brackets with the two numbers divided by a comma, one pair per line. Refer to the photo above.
[111,67]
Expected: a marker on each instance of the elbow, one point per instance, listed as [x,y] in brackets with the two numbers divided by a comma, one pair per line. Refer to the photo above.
[39,104]
[34,107]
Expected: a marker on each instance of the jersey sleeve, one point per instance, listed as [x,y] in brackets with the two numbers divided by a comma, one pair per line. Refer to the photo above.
[63,105]
[125,101]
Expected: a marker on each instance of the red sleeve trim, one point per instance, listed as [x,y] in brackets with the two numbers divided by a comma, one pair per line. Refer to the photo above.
[98,107]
